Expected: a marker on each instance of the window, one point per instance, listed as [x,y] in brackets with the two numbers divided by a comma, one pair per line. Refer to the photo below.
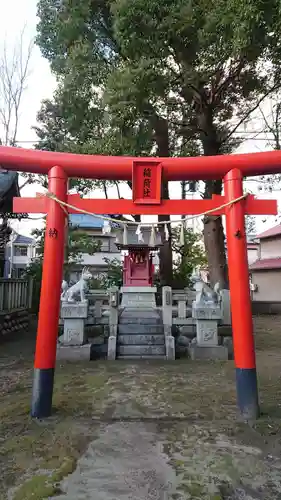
[20,251]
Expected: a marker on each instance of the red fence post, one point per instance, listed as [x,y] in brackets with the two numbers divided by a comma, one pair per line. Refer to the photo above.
[47,332]
[241,309]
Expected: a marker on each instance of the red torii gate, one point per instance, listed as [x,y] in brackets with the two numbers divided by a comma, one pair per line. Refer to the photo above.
[147,175]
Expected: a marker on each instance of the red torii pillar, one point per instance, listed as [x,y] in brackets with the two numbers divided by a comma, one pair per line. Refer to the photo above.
[45,357]
[241,307]
[48,319]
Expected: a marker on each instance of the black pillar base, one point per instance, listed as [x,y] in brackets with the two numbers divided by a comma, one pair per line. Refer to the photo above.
[42,392]
[247,393]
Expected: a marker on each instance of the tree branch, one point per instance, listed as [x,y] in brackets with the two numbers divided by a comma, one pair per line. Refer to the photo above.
[118,189]
[104,186]
[13,77]
[272,89]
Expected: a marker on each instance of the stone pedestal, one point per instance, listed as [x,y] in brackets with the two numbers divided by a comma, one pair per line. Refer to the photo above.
[225,307]
[74,316]
[111,348]
[207,316]
[74,353]
[218,352]
[170,348]
[138,297]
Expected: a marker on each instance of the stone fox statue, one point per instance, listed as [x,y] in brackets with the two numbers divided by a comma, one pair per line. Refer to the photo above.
[70,294]
[206,294]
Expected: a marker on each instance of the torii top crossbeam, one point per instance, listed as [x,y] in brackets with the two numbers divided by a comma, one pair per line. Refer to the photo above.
[120,167]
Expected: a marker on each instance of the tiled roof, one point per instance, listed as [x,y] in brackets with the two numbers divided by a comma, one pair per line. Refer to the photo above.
[23,240]
[266,264]
[273,231]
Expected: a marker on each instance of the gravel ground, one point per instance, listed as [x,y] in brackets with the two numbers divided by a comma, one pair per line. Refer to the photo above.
[143,430]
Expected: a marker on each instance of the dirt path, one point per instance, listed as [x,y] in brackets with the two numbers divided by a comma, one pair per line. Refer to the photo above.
[137,461]
[141,430]
[125,462]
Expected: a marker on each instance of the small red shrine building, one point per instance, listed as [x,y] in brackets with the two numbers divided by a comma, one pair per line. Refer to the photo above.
[138,267]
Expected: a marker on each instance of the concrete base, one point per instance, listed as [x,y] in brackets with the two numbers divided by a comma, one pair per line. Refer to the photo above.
[218,352]
[170,348]
[111,349]
[74,353]
[138,297]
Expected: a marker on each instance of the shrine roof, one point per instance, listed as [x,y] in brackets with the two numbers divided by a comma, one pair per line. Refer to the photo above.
[133,241]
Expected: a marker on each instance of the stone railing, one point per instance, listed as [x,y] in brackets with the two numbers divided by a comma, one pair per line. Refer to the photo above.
[98,307]
[182,306]
[177,307]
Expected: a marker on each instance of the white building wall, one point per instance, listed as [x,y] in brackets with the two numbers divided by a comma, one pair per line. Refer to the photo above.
[270,248]
[268,285]
[98,258]
[253,255]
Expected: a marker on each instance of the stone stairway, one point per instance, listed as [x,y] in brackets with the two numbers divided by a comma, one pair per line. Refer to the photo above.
[140,335]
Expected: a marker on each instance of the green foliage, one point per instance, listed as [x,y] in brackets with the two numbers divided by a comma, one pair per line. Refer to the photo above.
[162,78]
[112,277]
[122,65]
[188,257]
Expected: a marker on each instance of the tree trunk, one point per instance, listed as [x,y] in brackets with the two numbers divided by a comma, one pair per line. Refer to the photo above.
[215,250]
[213,229]
[165,253]
[215,241]
[160,126]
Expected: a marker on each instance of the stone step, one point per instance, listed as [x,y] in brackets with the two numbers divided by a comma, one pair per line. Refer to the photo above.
[141,350]
[141,314]
[135,358]
[136,320]
[140,329]
[135,310]
[140,340]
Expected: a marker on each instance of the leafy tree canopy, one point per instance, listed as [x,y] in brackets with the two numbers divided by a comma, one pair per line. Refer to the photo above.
[165,78]
[188,257]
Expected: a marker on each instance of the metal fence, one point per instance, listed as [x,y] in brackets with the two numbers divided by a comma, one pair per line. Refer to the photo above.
[15,294]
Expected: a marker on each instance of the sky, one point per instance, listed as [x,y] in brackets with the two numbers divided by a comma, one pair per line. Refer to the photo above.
[15,14]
